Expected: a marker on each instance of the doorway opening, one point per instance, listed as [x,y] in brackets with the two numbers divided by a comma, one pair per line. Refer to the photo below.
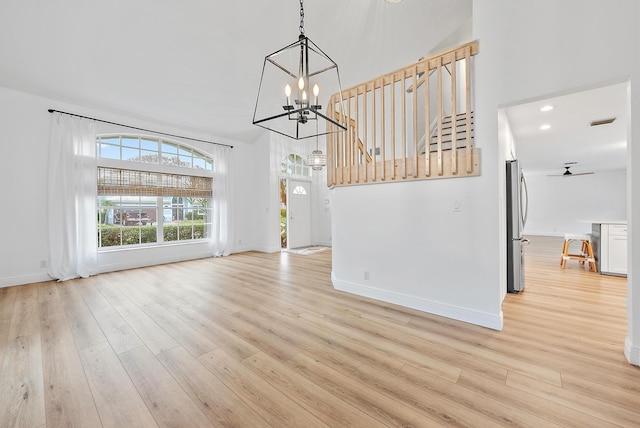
[576,167]
[295,202]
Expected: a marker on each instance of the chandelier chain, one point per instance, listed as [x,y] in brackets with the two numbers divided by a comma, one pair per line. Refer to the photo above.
[301,17]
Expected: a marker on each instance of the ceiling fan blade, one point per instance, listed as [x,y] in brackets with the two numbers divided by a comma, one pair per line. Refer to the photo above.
[573,174]
[581,173]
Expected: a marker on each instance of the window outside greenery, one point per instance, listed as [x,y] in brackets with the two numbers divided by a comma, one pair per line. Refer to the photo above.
[141,218]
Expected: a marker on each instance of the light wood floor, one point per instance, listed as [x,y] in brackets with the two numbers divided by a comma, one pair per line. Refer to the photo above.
[257,340]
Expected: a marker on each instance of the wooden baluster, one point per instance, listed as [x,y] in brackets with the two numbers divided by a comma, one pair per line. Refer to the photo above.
[454,118]
[350,138]
[373,131]
[404,124]
[340,138]
[427,123]
[365,138]
[467,84]
[356,131]
[416,138]
[382,134]
[330,158]
[349,146]
[440,107]
[392,87]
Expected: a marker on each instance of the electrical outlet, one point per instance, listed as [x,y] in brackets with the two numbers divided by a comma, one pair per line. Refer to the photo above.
[43,263]
[457,206]
[366,275]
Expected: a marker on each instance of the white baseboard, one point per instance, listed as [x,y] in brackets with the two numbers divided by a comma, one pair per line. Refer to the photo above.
[265,249]
[24,279]
[482,319]
[632,352]
[138,263]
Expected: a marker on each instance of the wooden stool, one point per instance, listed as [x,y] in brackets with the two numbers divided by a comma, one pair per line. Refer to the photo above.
[586,251]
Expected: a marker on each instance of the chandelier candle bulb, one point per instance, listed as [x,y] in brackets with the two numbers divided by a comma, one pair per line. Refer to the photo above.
[287,91]
[301,83]
[316,91]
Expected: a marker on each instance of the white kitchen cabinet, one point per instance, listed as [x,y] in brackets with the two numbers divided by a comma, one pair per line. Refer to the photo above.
[610,245]
[618,249]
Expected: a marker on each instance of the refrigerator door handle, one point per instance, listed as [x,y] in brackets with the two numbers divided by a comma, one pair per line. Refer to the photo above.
[524,211]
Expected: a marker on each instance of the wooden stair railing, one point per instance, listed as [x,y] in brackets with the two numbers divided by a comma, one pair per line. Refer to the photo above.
[388,119]
[351,126]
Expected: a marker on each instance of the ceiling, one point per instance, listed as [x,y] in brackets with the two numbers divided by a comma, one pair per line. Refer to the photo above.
[196,65]
[570,137]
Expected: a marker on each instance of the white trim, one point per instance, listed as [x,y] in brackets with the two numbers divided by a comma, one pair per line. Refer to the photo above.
[153,261]
[482,319]
[153,167]
[632,352]
[24,279]
[264,249]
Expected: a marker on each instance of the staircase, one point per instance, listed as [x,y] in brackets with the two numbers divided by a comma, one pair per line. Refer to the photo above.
[389,118]
[448,134]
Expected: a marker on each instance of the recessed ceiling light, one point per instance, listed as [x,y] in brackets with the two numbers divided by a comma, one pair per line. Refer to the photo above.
[546,108]
[545,127]
[393,1]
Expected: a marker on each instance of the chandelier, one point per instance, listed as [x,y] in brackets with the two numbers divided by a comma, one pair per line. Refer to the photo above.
[292,80]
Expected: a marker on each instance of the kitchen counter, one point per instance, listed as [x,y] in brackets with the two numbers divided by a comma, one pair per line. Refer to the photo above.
[609,241]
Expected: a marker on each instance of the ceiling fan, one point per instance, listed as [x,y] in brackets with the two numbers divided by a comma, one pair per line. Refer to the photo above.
[567,171]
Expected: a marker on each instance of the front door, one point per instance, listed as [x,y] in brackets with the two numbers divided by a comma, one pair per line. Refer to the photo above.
[299,213]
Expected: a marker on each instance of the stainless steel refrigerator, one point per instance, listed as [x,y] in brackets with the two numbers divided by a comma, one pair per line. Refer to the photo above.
[517,204]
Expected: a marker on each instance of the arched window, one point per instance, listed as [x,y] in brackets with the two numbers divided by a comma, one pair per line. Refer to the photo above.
[299,190]
[295,165]
[151,191]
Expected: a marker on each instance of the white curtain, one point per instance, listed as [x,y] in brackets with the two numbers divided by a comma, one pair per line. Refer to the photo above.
[223,224]
[72,216]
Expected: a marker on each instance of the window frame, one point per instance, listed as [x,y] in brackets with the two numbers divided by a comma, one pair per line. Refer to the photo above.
[160,166]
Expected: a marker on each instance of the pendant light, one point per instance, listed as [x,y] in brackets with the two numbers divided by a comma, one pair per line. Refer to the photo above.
[317,160]
[284,105]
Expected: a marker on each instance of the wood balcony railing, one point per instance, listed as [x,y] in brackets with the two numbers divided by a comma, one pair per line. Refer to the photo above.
[400,126]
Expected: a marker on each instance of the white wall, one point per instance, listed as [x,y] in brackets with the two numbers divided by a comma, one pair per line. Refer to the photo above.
[416,250]
[632,343]
[559,205]
[533,49]
[24,135]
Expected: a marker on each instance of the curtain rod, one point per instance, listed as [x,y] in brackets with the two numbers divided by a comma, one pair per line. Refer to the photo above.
[138,129]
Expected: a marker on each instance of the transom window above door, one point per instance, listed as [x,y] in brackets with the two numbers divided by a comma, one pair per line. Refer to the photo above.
[294,164]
